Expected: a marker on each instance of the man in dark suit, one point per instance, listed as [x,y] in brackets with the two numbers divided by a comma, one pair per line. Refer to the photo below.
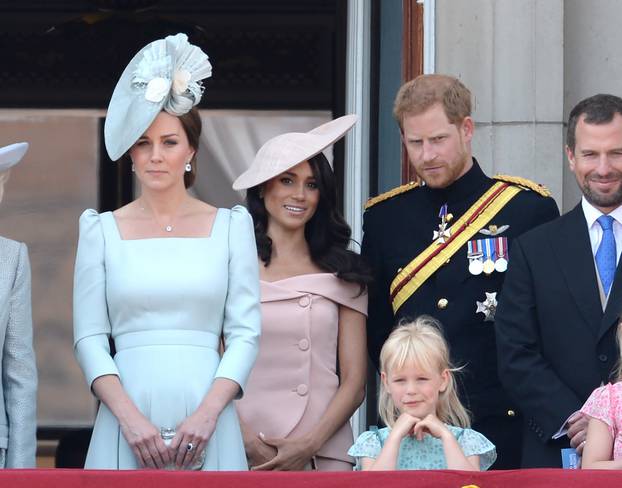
[562,297]
[426,261]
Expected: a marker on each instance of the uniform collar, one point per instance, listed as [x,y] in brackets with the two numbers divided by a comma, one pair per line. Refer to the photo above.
[472,182]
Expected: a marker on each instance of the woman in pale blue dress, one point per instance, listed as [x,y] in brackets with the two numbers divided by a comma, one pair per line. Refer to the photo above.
[167,278]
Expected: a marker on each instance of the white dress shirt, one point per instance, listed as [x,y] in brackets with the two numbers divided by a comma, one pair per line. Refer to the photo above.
[595,230]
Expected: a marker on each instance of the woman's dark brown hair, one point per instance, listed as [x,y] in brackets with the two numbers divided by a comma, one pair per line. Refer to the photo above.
[191,122]
[327,233]
[192,125]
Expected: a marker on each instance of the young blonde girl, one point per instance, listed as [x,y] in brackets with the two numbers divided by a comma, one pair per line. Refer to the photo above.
[603,445]
[427,426]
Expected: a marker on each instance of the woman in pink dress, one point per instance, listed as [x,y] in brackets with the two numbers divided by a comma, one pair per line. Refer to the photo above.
[603,444]
[309,377]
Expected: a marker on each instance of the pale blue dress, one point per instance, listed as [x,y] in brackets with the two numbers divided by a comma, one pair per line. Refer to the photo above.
[427,453]
[166,302]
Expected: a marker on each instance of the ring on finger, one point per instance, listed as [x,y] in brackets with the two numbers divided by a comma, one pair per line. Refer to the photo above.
[189,447]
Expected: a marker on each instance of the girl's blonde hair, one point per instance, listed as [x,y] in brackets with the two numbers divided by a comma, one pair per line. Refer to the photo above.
[421,342]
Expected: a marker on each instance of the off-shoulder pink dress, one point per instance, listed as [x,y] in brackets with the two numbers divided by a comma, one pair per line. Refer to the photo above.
[295,375]
[605,403]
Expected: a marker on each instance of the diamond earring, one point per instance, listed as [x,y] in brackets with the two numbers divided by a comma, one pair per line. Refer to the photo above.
[133,168]
[188,167]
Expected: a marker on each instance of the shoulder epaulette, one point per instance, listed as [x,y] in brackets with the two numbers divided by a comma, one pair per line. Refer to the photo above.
[525,183]
[391,193]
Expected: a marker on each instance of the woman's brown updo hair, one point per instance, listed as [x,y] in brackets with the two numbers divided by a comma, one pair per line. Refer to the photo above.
[191,122]
[192,125]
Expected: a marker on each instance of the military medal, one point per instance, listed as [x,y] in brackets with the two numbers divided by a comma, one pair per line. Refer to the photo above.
[494,230]
[443,232]
[501,250]
[489,263]
[476,265]
[488,307]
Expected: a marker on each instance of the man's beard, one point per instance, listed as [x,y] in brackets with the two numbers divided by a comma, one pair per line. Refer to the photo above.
[453,171]
[609,200]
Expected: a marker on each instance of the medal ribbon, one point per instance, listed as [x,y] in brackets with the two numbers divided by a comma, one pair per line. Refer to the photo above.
[501,247]
[442,214]
[415,273]
[489,253]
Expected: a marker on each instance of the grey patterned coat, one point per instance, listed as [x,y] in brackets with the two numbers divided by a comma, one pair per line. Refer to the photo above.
[18,395]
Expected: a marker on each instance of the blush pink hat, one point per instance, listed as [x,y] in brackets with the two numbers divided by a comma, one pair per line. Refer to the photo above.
[287,150]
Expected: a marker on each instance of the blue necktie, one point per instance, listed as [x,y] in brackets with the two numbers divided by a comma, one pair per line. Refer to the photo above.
[606,253]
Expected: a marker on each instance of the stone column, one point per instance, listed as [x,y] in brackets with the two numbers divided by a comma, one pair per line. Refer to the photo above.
[511,55]
[592,61]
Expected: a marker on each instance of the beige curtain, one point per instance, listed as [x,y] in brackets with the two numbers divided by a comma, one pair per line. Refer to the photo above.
[230,140]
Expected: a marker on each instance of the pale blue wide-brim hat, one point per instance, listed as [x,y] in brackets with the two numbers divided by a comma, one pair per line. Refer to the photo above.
[285,151]
[164,75]
[12,154]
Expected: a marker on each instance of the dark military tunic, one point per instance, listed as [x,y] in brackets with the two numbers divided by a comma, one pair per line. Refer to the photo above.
[398,229]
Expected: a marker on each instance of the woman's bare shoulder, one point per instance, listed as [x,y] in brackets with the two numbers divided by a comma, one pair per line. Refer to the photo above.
[126,211]
[201,207]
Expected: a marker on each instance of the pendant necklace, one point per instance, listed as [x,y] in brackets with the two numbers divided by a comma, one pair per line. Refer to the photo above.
[168,227]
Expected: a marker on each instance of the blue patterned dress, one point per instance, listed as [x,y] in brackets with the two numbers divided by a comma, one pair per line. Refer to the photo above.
[427,453]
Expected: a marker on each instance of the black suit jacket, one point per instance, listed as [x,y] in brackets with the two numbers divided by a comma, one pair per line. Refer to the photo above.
[397,230]
[555,343]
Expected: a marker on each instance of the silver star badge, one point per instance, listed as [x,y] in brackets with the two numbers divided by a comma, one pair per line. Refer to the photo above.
[441,234]
[488,307]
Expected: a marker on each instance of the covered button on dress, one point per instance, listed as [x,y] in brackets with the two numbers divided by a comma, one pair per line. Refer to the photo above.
[295,376]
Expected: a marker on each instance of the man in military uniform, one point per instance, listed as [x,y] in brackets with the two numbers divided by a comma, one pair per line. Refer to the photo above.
[441,247]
